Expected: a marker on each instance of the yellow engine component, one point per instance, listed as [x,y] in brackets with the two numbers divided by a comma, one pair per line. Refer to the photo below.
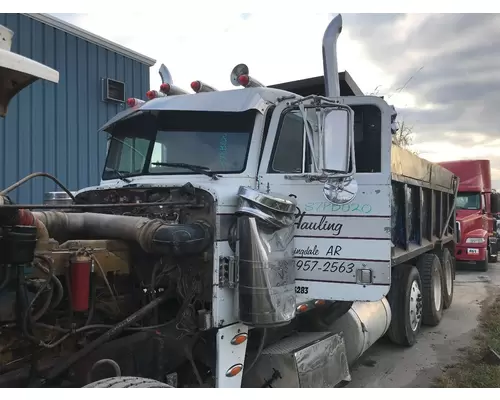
[112,255]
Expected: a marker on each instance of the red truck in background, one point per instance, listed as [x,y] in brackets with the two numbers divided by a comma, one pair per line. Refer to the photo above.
[476,206]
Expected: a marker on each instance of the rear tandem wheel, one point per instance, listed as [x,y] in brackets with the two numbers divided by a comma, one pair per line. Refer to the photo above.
[405,299]
[431,273]
[448,264]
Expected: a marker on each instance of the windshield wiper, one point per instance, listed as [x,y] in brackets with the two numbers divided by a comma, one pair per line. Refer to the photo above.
[195,168]
[119,175]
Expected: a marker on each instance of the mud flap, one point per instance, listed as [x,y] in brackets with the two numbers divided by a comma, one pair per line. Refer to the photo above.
[302,360]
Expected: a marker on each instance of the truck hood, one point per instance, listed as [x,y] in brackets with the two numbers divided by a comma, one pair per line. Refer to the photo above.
[224,190]
[470,223]
[467,214]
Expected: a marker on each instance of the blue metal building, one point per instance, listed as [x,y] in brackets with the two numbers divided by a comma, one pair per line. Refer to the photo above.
[54,128]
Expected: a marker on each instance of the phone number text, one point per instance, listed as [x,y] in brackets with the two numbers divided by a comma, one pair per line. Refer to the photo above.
[342,267]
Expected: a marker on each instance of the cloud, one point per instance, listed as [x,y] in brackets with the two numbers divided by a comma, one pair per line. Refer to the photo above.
[455,97]
[460,56]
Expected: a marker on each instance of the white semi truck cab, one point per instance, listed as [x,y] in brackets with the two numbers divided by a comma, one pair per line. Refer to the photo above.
[246,238]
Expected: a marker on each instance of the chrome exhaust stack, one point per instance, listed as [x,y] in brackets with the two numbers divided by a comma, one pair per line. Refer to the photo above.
[330,66]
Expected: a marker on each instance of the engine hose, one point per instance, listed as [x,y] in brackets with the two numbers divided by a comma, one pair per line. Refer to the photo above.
[34,175]
[57,282]
[259,352]
[61,367]
[93,294]
[69,295]
[154,236]
[39,314]
[95,327]
[58,289]
[26,316]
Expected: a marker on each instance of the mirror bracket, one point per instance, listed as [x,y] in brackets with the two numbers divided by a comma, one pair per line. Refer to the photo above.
[339,187]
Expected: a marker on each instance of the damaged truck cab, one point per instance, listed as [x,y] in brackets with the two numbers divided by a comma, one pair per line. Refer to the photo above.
[242,238]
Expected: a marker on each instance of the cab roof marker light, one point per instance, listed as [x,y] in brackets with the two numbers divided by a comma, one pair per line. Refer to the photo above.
[240,76]
[165,88]
[133,102]
[200,87]
[169,89]
[154,94]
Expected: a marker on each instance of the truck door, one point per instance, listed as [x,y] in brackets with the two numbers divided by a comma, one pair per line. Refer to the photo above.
[334,244]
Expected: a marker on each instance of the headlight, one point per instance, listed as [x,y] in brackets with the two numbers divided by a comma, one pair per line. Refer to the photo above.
[475,240]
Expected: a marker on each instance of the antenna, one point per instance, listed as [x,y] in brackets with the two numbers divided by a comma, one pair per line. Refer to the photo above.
[240,77]
[330,67]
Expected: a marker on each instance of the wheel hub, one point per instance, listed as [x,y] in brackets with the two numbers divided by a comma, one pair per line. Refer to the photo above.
[415,306]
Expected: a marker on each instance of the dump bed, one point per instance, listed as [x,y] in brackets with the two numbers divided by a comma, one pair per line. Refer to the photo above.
[316,85]
[422,209]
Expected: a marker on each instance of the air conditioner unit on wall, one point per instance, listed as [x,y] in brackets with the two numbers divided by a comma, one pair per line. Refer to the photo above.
[113,90]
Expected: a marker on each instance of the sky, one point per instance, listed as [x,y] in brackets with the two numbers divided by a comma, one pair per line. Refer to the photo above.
[441,71]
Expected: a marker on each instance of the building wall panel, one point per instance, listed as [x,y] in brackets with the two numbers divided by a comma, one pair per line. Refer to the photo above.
[54,128]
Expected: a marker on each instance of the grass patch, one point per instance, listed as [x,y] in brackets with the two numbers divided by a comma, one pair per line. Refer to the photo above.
[473,369]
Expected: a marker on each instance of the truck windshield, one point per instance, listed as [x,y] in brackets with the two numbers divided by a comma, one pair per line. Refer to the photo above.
[189,142]
[468,201]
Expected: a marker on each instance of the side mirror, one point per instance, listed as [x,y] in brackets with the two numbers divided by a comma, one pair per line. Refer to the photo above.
[495,203]
[336,136]
[329,127]
[337,159]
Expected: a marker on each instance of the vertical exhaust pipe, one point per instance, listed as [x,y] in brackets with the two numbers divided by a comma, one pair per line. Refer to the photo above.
[330,67]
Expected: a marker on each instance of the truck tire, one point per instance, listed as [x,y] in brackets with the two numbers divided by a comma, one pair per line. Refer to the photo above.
[448,264]
[431,272]
[405,299]
[126,382]
[483,265]
[493,253]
